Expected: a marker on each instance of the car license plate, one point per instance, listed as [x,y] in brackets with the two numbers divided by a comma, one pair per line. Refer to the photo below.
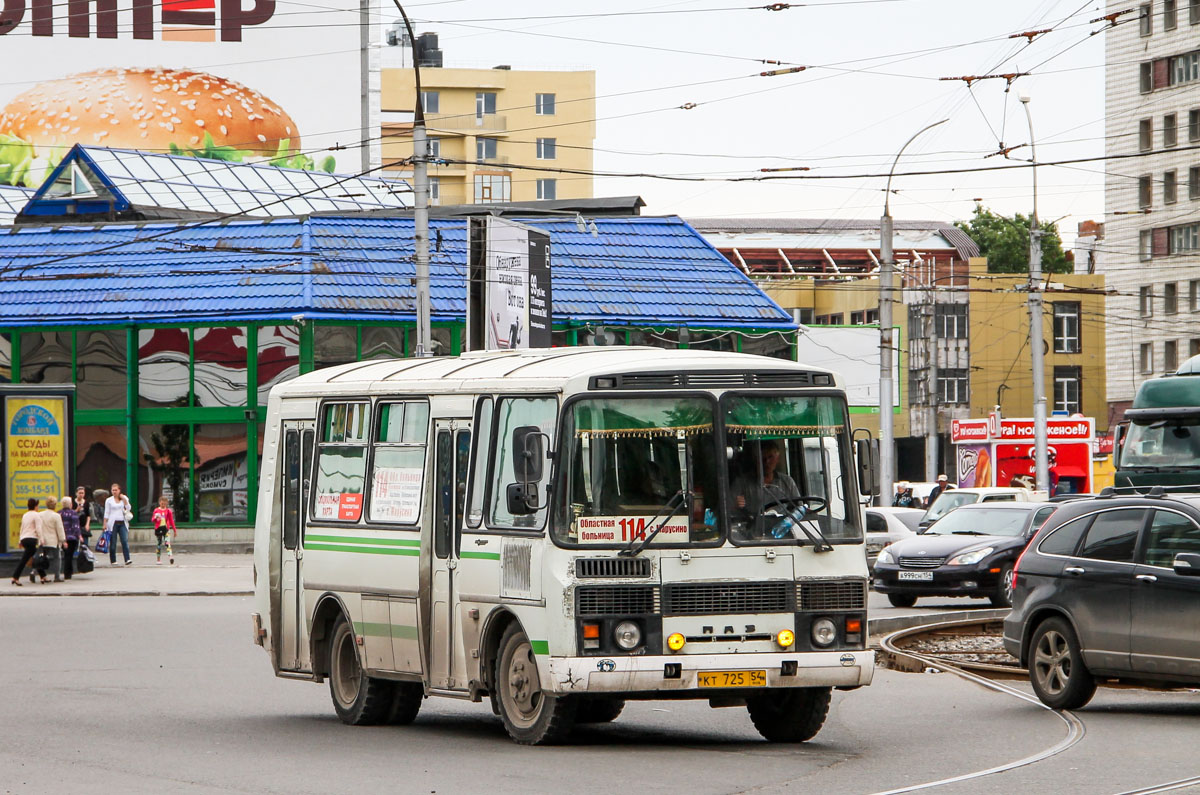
[732,678]
[923,576]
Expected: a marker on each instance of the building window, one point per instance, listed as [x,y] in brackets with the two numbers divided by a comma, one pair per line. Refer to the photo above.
[1145,21]
[547,189]
[485,103]
[1194,182]
[547,149]
[1067,390]
[1194,11]
[1145,302]
[1184,238]
[1193,348]
[1146,357]
[918,386]
[1170,356]
[1170,15]
[950,321]
[1145,244]
[1066,326]
[1194,125]
[1170,189]
[430,101]
[1170,129]
[1145,188]
[1171,298]
[858,318]
[485,148]
[873,316]
[1184,68]
[544,104]
[492,188]
[1145,135]
[435,148]
[952,385]
[1146,77]
[435,189]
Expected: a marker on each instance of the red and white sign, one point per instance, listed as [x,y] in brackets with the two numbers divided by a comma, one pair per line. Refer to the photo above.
[995,429]
[968,430]
[345,507]
[623,529]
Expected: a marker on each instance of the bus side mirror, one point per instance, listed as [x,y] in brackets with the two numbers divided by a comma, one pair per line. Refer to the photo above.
[1118,431]
[867,455]
[529,459]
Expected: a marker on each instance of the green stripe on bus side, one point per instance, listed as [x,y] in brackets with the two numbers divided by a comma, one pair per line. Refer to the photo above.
[381,542]
[381,630]
[480,555]
[540,646]
[362,550]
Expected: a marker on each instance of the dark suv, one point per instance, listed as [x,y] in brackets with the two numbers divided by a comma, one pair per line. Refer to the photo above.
[1109,590]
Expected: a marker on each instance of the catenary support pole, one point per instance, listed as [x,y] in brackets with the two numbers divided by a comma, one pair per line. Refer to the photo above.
[887,347]
[420,204]
[1036,333]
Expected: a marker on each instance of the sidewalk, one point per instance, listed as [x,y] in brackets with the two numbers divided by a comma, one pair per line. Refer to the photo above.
[194,574]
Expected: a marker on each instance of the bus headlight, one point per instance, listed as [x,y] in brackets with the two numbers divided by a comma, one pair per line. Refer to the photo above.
[675,641]
[823,632]
[628,635]
[785,638]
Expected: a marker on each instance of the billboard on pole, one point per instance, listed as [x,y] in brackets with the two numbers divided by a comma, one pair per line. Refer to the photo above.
[243,80]
[509,295]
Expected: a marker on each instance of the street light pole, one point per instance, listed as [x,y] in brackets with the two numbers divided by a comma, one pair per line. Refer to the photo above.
[887,436]
[423,346]
[1040,445]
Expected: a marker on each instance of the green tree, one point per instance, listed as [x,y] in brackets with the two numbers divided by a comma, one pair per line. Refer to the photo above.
[1005,242]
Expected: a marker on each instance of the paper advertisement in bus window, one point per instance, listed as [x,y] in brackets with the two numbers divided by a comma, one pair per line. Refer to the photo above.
[396,494]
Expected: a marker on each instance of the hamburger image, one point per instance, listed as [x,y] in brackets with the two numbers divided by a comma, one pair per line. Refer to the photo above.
[176,111]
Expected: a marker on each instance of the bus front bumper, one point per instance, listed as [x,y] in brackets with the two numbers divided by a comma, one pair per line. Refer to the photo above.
[682,672]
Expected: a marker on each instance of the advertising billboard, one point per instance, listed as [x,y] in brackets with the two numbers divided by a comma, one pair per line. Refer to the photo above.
[853,353]
[509,285]
[238,80]
[37,460]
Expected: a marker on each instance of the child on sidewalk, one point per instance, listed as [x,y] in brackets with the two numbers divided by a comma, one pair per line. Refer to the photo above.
[163,520]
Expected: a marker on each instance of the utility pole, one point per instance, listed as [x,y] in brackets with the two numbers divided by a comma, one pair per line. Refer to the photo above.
[420,204]
[887,436]
[1041,470]
[932,442]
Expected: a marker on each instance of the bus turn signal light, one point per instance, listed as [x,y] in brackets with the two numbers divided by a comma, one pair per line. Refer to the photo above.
[675,641]
[591,636]
[785,638]
[853,625]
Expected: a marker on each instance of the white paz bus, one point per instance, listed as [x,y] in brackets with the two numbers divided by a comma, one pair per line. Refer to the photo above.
[563,530]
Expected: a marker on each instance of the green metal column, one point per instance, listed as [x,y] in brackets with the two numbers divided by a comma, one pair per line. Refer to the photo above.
[16,357]
[456,338]
[573,337]
[131,400]
[307,363]
[252,461]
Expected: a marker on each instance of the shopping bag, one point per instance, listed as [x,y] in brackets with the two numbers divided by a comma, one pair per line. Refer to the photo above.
[85,561]
[41,562]
[105,540]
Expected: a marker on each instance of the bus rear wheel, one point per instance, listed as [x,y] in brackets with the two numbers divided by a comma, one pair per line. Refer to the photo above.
[794,715]
[359,700]
[531,716]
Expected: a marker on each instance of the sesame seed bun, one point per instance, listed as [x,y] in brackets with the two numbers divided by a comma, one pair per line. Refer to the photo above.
[148,109]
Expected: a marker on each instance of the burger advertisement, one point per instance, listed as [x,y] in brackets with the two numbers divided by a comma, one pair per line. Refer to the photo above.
[234,80]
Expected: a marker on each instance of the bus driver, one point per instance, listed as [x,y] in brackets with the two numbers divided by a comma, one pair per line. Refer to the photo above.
[752,495]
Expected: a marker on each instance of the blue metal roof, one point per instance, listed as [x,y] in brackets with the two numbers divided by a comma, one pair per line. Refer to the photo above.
[636,271]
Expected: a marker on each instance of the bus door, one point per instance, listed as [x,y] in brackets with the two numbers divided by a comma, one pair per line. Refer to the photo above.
[292,644]
[453,445]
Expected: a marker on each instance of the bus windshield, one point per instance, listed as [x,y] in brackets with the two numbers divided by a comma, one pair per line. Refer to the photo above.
[1169,444]
[629,465]
[788,460]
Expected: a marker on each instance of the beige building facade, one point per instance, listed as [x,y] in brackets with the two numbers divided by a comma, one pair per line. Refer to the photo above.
[496,135]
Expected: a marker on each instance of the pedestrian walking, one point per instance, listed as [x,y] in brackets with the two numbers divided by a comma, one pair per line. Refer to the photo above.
[163,519]
[31,536]
[117,515]
[54,536]
[70,521]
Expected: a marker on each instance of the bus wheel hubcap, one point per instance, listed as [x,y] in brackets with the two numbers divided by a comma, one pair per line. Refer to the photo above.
[523,691]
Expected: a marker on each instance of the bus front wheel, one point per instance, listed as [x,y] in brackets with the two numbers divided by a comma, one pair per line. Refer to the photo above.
[794,715]
[360,700]
[531,716]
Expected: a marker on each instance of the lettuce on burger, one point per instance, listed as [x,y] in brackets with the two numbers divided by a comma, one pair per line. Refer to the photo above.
[177,111]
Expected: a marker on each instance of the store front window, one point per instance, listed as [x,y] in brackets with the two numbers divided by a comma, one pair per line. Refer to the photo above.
[220,367]
[222,473]
[101,369]
[99,456]
[46,357]
[278,357]
[333,345]
[164,469]
[162,367]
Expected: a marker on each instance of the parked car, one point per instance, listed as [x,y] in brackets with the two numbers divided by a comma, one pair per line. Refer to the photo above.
[947,501]
[1109,589]
[887,525]
[970,551]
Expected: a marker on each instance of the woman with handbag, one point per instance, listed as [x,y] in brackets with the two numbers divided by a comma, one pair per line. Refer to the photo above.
[117,515]
[70,521]
[54,539]
[31,536]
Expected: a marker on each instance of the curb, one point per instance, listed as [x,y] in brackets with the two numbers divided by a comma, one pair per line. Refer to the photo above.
[878,627]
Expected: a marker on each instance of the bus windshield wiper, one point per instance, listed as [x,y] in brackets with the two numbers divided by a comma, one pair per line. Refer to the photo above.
[813,534]
[674,506]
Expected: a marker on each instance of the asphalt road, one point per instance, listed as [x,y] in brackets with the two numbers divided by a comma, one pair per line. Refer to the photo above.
[168,694]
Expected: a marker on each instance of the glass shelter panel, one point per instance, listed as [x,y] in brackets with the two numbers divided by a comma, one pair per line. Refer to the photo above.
[334,345]
[101,369]
[278,357]
[165,469]
[222,473]
[46,357]
[163,367]
[100,456]
[220,364]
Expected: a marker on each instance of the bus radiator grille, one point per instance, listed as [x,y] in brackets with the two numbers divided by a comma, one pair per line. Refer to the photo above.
[612,567]
[604,600]
[727,598]
[832,595]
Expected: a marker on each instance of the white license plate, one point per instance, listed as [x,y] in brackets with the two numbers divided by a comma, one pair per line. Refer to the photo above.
[923,576]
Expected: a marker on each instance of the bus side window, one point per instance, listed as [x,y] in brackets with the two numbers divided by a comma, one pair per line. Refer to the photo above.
[479,462]
[291,489]
[342,462]
[517,413]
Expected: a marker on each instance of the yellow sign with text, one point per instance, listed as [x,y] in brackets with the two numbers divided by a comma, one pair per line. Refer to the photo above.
[35,445]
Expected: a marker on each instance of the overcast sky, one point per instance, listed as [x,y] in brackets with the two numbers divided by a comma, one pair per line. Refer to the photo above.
[872,82]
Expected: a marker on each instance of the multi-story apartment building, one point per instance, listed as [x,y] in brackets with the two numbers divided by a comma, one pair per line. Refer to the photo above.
[1151,246]
[497,134]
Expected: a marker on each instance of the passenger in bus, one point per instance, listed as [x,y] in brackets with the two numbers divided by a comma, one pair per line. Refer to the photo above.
[752,493]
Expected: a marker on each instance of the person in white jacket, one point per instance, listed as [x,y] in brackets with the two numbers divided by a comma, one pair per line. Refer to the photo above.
[54,536]
[114,520]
